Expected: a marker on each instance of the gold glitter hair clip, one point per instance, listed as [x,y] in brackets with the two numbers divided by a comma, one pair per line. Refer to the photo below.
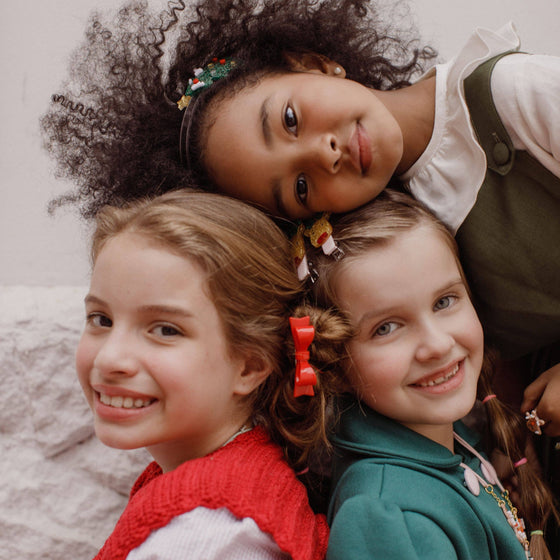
[205,77]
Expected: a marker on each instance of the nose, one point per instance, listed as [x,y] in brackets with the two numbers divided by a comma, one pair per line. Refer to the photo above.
[116,356]
[325,153]
[434,341]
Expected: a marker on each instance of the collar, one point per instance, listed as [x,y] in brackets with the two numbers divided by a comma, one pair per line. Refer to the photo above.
[363,431]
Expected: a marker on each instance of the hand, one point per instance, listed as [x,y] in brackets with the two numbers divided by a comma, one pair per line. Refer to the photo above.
[544,395]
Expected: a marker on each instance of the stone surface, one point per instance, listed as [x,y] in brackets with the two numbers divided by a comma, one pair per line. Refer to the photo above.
[62,490]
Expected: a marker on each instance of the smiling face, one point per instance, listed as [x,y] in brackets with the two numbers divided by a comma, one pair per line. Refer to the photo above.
[418,350]
[153,359]
[303,142]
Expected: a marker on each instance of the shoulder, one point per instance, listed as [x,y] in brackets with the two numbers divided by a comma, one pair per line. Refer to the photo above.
[396,511]
[373,485]
[247,477]
[522,73]
[398,480]
[525,89]
[209,534]
[380,528]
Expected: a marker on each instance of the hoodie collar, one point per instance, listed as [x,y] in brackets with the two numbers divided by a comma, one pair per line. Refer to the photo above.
[363,431]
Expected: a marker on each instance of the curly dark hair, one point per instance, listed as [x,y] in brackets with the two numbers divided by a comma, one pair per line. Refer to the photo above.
[114,129]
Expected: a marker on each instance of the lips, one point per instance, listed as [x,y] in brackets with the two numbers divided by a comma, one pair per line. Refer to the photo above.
[117,403]
[364,149]
[438,378]
[441,381]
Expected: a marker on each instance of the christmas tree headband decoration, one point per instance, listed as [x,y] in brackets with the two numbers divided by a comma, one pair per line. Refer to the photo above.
[204,78]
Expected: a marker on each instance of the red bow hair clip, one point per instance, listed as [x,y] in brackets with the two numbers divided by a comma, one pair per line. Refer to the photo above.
[303,333]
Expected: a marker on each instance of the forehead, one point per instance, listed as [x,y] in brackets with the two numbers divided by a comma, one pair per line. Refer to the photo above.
[137,259]
[415,260]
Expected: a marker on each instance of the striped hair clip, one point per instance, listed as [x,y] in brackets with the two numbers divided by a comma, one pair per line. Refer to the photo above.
[319,233]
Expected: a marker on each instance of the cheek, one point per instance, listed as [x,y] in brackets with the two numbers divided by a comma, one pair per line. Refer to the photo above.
[375,371]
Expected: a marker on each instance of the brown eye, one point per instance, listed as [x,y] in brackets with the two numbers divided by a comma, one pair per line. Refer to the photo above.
[99,320]
[166,331]
[301,188]
[290,120]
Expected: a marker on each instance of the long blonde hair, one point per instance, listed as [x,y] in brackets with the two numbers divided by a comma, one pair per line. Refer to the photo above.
[375,225]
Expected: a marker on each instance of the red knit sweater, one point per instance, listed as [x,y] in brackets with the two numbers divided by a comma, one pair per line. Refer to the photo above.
[248,476]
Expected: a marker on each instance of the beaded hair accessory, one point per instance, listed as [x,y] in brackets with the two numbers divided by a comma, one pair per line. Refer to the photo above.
[204,78]
[216,69]
[319,232]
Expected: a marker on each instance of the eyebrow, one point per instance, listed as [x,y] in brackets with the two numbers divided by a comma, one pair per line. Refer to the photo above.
[276,187]
[93,299]
[265,124]
[389,310]
[156,308]
[166,309]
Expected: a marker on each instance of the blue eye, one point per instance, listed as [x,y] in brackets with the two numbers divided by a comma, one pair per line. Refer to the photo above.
[444,302]
[385,329]
[301,188]
[290,120]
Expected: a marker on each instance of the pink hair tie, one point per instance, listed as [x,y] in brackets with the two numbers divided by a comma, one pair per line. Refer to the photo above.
[487,398]
[520,462]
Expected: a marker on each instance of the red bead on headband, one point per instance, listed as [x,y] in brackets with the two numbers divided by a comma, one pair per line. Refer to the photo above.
[204,78]
[303,333]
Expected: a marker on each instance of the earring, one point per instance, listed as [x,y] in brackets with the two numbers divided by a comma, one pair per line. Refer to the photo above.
[337,70]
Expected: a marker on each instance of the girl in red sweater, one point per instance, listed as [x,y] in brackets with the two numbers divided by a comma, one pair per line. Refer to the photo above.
[188,351]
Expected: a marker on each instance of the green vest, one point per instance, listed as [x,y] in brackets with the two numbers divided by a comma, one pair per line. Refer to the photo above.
[510,241]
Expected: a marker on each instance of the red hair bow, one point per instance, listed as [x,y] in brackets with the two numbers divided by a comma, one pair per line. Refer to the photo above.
[303,333]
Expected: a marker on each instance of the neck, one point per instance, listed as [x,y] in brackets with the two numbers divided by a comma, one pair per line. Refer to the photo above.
[170,454]
[413,107]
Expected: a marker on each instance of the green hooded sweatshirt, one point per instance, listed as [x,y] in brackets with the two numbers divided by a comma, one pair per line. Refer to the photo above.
[397,495]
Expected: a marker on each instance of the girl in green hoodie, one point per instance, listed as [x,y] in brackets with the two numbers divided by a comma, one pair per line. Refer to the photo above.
[409,481]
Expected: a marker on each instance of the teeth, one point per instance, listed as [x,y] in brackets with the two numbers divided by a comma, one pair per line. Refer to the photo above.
[123,402]
[441,379]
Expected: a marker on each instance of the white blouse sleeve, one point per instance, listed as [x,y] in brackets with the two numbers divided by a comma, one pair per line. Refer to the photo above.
[526,92]
[208,534]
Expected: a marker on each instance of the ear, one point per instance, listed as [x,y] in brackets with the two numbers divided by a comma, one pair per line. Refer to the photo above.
[314,62]
[254,372]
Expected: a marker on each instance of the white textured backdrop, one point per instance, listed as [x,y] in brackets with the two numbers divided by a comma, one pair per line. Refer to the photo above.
[62,490]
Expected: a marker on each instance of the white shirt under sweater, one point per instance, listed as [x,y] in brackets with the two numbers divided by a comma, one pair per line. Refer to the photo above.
[526,92]
[208,534]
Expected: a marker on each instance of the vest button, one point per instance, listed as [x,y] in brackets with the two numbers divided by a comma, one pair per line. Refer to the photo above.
[500,153]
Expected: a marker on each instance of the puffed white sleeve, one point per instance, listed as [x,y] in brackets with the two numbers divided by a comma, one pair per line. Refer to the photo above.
[208,534]
[526,92]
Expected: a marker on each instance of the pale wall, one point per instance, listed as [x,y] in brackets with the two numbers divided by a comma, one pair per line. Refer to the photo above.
[36,37]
